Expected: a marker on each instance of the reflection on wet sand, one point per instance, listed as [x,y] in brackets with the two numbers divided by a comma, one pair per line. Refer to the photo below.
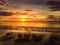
[30,24]
[29,33]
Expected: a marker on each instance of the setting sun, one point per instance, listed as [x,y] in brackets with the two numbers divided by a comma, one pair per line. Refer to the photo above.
[23,19]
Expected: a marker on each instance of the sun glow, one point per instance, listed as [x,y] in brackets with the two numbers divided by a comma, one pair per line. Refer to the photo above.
[23,19]
[23,16]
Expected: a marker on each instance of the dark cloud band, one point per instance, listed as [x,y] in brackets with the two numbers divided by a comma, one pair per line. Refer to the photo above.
[5,13]
[54,5]
[2,2]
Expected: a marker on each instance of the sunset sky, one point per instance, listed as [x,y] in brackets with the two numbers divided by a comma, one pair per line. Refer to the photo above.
[35,7]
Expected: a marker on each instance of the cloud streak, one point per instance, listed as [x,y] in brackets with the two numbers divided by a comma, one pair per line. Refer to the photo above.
[40,6]
[54,5]
[5,13]
[2,2]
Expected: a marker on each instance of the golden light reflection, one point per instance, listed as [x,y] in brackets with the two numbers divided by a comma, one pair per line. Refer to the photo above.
[23,24]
